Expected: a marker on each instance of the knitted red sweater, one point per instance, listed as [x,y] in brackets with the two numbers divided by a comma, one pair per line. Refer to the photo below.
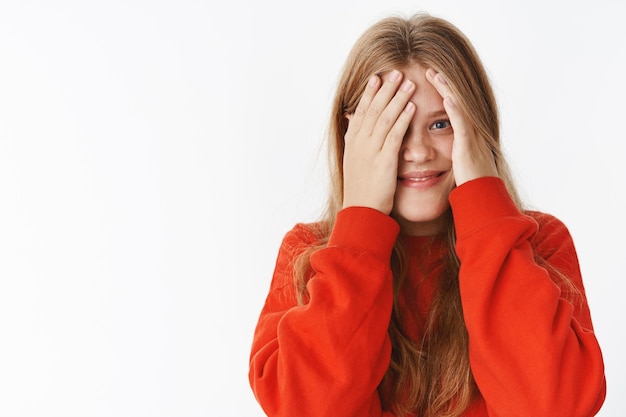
[532,353]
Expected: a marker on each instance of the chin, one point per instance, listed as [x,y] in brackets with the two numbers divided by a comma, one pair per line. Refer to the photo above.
[421,210]
[418,219]
[421,222]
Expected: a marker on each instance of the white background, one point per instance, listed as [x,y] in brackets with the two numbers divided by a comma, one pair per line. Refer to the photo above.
[154,153]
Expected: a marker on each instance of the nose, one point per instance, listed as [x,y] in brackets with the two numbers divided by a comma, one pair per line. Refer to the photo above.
[417,147]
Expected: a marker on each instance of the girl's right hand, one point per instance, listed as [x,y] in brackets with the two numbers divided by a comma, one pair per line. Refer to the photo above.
[373,140]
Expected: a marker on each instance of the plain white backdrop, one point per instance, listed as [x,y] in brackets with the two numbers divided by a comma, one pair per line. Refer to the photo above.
[154,153]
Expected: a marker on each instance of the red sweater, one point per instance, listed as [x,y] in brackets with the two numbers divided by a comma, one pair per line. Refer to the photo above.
[532,353]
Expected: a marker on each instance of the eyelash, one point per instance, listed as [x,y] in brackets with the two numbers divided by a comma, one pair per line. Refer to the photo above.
[438,122]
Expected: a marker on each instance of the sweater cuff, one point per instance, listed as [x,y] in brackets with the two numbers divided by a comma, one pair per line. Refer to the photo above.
[366,230]
[480,202]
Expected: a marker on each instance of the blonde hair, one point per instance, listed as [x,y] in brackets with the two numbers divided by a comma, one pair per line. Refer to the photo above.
[433,378]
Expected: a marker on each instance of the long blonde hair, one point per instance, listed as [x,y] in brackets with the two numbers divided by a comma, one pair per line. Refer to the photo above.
[432,378]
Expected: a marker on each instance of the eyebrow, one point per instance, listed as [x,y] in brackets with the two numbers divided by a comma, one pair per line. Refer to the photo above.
[437,113]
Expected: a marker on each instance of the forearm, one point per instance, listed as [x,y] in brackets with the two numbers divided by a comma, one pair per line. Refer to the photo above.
[328,357]
[529,352]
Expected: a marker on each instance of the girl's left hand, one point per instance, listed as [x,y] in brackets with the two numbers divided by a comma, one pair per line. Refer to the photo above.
[471,157]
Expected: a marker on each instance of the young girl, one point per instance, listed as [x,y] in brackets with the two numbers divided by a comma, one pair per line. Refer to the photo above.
[427,289]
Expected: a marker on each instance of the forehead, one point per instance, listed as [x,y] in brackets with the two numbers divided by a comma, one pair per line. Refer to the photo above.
[425,96]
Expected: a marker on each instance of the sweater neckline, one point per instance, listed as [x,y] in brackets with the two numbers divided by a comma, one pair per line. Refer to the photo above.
[425,245]
[422,240]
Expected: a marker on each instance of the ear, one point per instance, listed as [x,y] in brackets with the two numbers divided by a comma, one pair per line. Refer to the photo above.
[348,116]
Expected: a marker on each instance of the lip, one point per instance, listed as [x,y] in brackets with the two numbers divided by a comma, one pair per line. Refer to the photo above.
[421,180]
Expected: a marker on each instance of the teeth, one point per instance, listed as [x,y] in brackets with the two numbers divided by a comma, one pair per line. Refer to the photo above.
[420,179]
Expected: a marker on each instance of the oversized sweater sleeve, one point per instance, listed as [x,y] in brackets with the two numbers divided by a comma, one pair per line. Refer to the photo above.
[531,342]
[327,358]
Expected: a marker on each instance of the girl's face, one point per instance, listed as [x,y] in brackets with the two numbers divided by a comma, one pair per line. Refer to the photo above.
[425,176]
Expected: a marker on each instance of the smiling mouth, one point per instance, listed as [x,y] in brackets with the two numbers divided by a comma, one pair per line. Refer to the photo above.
[421,177]
[421,181]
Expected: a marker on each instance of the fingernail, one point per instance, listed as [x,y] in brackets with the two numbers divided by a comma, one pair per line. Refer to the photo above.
[394,76]
[441,78]
[372,81]
[407,85]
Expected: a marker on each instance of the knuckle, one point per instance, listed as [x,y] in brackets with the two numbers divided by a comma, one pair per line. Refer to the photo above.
[359,112]
[385,121]
[394,136]
[373,111]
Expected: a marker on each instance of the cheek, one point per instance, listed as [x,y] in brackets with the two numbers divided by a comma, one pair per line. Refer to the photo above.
[445,147]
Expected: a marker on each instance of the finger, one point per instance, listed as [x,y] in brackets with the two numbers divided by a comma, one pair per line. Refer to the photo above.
[463,131]
[395,137]
[458,120]
[356,119]
[439,82]
[388,120]
[381,100]
[471,158]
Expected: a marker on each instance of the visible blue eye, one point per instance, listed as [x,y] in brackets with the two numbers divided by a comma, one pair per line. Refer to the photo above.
[441,124]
